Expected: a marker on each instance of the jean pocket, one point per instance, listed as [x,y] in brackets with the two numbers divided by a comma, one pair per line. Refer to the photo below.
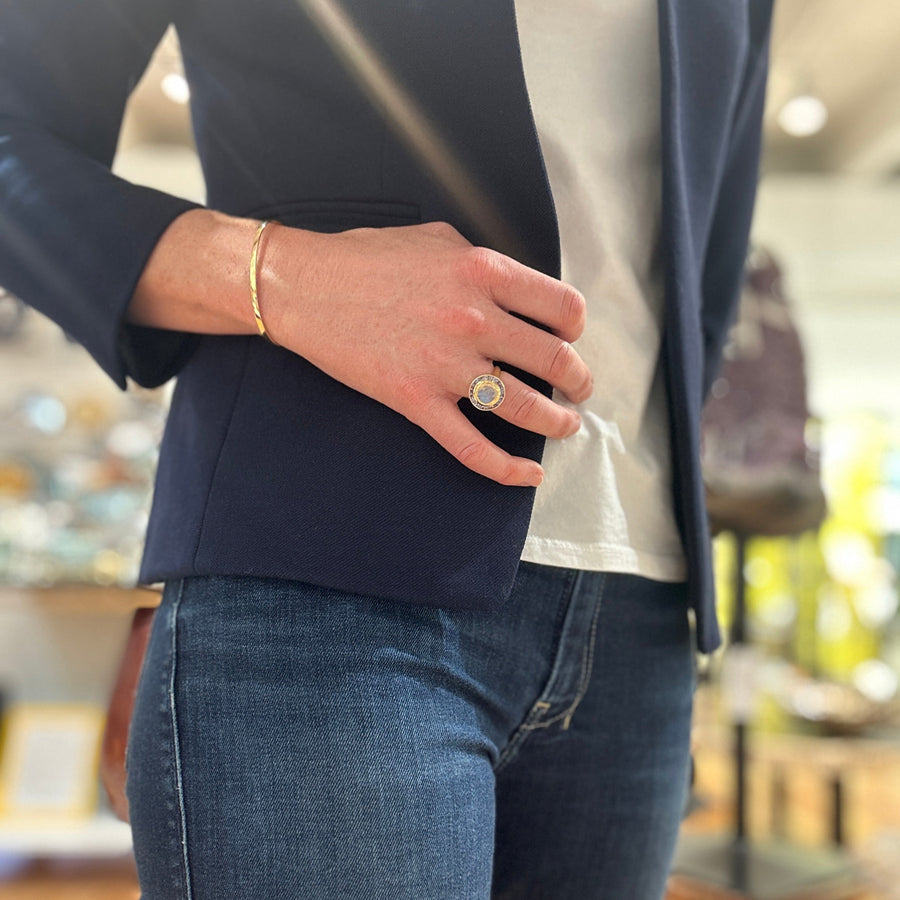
[331,216]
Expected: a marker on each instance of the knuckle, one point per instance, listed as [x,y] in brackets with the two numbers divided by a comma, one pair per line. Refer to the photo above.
[473,454]
[480,265]
[427,413]
[465,319]
[413,392]
[523,407]
[441,229]
[560,360]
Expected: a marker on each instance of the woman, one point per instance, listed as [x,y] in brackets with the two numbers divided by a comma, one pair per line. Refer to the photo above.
[380,667]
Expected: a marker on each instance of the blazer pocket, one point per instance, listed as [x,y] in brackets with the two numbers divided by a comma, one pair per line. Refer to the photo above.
[331,216]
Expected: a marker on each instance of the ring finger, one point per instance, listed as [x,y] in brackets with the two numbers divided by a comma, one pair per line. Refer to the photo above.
[527,408]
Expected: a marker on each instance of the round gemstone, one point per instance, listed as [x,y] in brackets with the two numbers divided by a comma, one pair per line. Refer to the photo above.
[487,393]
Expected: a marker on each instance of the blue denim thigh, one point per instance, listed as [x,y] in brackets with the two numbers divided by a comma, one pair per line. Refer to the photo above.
[292,741]
[592,787]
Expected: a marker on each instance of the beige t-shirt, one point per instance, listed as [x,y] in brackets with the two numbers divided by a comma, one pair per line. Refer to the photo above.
[592,69]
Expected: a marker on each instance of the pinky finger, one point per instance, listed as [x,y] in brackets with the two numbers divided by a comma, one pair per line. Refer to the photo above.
[459,437]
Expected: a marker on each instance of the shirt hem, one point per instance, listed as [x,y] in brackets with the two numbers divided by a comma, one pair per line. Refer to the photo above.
[604,558]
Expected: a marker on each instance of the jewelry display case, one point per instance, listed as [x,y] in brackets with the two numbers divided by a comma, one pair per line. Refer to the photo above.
[76,464]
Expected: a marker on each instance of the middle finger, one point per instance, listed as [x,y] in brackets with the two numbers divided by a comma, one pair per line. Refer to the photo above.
[550,358]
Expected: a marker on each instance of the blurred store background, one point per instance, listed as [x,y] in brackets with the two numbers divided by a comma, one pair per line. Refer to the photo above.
[797,743]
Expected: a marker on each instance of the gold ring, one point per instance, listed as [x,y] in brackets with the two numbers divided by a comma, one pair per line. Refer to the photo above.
[486,392]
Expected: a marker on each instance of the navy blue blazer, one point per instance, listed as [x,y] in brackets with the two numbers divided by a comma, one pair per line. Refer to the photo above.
[269,467]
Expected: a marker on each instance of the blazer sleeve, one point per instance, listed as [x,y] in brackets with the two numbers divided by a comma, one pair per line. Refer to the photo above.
[727,248]
[74,238]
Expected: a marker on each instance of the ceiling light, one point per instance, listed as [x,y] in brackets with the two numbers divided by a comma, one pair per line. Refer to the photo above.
[803,116]
[175,87]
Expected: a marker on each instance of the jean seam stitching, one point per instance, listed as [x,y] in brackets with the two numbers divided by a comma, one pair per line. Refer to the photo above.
[540,706]
[179,784]
[587,666]
[521,733]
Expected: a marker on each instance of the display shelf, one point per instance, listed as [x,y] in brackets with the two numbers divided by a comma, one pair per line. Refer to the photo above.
[77,458]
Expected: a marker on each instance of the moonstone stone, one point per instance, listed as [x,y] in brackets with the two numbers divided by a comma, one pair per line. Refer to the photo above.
[487,394]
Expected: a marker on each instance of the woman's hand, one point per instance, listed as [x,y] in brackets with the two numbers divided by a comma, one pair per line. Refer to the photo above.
[408,316]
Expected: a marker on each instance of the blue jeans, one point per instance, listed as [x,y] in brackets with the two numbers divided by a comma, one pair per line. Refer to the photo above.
[295,742]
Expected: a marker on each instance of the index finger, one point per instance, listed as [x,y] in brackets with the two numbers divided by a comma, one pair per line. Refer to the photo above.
[516,288]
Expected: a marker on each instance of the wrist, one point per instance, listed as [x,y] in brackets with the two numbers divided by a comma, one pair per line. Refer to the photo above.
[254,273]
[292,282]
[196,278]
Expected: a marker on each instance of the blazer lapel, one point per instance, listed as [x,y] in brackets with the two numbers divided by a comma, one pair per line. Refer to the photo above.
[703,44]
[450,84]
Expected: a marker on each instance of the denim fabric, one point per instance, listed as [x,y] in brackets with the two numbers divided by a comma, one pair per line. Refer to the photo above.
[291,741]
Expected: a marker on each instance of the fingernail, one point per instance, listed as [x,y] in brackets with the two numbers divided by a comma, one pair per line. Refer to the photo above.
[576,424]
[535,479]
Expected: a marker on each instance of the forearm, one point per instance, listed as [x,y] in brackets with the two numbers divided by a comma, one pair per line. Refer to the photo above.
[408,316]
[197,277]
[75,237]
